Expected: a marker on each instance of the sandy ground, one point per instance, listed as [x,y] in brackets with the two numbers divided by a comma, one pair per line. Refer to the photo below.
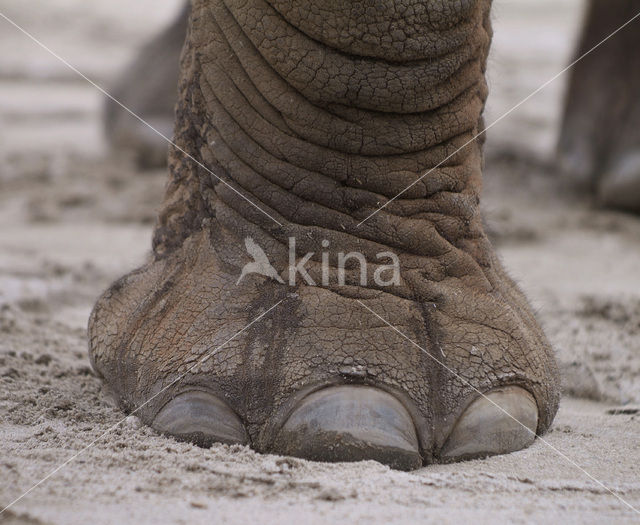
[72,219]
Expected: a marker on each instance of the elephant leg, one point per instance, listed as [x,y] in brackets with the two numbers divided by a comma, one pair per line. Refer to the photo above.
[149,88]
[599,142]
[281,308]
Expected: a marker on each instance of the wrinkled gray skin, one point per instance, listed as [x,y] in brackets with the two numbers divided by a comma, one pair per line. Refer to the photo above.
[319,112]
[599,145]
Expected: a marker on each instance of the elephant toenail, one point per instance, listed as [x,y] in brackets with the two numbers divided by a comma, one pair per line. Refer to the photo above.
[505,420]
[351,423]
[201,418]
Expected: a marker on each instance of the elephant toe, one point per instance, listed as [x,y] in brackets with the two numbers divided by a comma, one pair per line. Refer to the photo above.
[201,418]
[503,421]
[351,423]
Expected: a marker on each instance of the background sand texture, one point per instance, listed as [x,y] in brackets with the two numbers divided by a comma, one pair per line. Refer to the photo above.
[72,219]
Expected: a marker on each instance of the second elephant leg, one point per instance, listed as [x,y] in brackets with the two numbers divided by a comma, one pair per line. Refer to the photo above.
[600,138]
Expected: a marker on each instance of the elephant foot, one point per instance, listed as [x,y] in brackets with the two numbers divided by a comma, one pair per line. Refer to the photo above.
[319,376]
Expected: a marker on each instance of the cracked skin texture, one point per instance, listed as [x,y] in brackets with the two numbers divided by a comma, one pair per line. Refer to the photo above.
[319,112]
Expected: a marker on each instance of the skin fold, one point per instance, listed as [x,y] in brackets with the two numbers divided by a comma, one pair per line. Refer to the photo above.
[319,113]
[599,143]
